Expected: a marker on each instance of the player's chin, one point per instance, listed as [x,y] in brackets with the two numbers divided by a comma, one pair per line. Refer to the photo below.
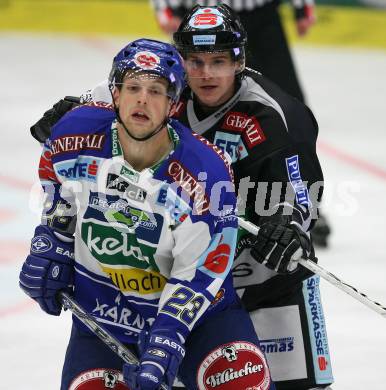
[210,98]
[141,130]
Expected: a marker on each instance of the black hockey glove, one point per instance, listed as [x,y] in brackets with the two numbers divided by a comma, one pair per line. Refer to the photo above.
[41,130]
[280,244]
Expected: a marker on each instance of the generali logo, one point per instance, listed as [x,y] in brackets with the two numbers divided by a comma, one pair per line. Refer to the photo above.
[247,125]
[77,142]
[189,183]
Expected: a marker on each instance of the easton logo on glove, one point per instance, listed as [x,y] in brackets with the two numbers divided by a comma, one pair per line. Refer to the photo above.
[157,352]
[171,344]
[40,244]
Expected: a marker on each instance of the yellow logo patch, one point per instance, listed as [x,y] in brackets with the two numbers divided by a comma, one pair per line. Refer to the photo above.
[140,281]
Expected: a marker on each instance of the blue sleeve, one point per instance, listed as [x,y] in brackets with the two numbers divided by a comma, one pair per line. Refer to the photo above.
[203,257]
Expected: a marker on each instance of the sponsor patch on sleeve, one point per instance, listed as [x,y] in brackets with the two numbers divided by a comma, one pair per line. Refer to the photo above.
[301,191]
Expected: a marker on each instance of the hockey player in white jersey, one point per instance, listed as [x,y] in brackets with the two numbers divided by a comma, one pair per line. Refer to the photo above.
[139,224]
[271,138]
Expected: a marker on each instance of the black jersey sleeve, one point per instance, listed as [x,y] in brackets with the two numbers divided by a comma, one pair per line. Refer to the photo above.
[287,178]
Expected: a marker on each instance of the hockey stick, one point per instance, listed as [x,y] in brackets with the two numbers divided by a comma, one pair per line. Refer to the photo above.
[87,319]
[326,275]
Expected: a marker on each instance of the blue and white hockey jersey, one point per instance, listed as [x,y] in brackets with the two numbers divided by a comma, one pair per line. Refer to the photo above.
[152,248]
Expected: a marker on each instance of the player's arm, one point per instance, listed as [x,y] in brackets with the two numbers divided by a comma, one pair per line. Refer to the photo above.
[289,184]
[294,188]
[203,256]
[168,14]
[304,11]
[49,267]
[41,130]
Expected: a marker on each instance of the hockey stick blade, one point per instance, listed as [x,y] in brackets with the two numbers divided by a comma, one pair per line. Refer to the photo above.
[87,319]
[326,275]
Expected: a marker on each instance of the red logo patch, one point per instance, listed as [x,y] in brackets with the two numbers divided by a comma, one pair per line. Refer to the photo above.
[238,365]
[218,259]
[146,60]
[322,363]
[93,168]
[99,379]
[247,125]
[209,19]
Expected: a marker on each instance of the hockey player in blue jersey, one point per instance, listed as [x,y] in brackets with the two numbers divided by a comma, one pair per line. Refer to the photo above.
[139,224]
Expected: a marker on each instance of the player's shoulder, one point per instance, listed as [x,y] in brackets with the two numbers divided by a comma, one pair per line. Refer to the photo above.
[85,130]
[200,155]
[85,118]
[281,114]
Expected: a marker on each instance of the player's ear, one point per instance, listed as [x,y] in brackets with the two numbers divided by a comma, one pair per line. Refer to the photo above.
[172,107]
[116,93]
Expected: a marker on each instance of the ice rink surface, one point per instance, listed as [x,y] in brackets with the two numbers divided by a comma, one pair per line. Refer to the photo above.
[347,91]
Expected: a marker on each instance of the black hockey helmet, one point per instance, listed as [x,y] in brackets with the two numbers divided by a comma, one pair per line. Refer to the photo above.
[211,29]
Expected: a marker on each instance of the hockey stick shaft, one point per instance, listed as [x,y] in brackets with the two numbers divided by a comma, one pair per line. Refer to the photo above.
[87,319]
[326,275]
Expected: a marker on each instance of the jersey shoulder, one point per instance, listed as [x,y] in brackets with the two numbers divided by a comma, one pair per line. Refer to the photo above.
[200,155]
[87,118]
[296,117]
[81,138]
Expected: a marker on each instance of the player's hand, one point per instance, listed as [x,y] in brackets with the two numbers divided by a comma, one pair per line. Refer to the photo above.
[161,355]
[305,19]
[280,245]
[48,269]
[167,21]
[41,130]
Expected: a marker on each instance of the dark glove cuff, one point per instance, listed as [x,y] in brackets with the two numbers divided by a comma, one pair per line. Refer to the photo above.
[41,130]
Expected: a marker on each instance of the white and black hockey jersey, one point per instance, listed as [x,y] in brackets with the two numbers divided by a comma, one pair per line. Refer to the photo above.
[271,138]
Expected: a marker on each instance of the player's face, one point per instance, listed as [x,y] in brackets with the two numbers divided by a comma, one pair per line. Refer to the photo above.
[211,76]
[142,102]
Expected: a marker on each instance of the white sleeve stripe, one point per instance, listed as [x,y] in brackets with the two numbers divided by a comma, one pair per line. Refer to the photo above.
[154,364]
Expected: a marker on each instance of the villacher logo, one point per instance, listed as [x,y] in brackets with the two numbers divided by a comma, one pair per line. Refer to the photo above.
[239,365]
[98,379]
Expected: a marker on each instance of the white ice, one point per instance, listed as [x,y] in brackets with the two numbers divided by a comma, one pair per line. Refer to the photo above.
[346,89]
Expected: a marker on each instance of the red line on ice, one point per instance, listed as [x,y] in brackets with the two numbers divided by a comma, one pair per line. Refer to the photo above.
[350,159]
[12,251]
[15,183]
[17,308]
